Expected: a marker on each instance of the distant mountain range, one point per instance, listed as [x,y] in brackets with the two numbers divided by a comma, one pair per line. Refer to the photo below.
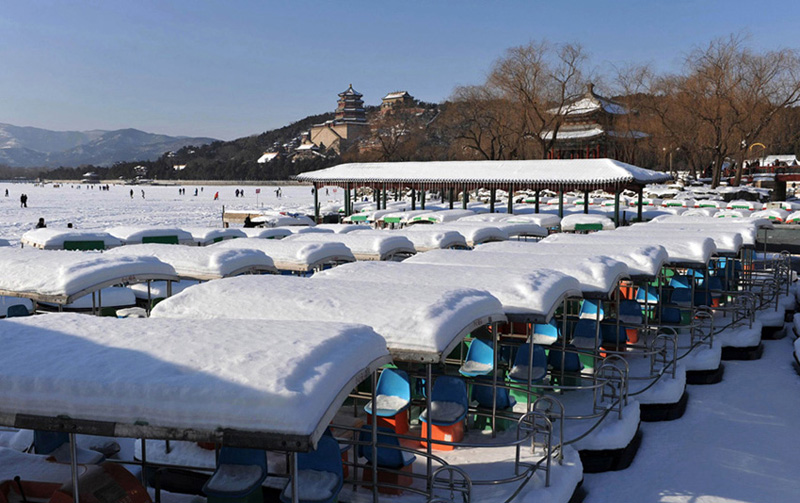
[29,147]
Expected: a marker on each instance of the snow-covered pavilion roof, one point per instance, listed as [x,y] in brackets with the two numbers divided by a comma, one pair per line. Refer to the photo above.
[293,256]
[597,277]
[556,174]
[419,322]
[373,246]
[642,261]
[136,235]
[60,277]
[202,262]
[55,239]
[246,383]
[530,296]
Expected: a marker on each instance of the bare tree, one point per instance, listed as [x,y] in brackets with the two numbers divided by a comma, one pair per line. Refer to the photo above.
[539,80]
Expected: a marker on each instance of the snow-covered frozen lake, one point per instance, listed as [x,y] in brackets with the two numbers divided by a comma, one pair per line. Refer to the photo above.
[738,441]
[89,208]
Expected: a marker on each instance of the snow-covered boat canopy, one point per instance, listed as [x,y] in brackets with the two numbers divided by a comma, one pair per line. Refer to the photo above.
[586,222]
[278,386]
[343,228]
[555,174]
[428,238]
[690,250]
[139,235]
[474,233]
[68,239]
[202,263]
[282,220]
[530,297]
[293,256]
[727,242]
[644,262]
[420,323]
[204,236]
[60,277]
[520,229]
[441,216]
[597,277]
[748,228]
[372,246]
[398,217]
[267,233]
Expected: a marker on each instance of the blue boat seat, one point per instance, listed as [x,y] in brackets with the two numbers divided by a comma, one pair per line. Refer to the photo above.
[583,335]
[449,402]
[56,444]
[572,362]
[239,473]
[479,359]
[17,310]
[393,393]
[389,453]
[482,393]
[590,309]
[319,474]
[546,333]
[519,371]
[630,312]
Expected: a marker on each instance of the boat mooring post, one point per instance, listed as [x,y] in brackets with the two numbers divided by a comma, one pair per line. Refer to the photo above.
[73,463]
[510,209]
[561,203]
[451,196]
[316,203]
[492,195]
[413,199]
[616,208]
[586,202]
[422,197]
[464,198]
[639,209]
[536,203]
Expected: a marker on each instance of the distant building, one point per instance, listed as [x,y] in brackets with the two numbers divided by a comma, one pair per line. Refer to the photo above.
[395,100]
[90,177]
[268,156]
[349,124]
[590,129]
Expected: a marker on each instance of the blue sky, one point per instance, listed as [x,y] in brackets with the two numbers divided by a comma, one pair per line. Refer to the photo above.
[228,69]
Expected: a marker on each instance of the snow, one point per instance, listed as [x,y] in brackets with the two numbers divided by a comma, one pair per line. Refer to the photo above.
[313,485]
[646,260]
[202,263]
[373,246]
[521,229]
[135,234]
[726,242]
[6,302]
[442,216]
[33,467]
[776,215]
[387,404]
[474,233]
[343,228]
[53,239]
[113,296]
[292,256]
[206,235]
[576,172]
[234,478]
[277,377]
[267,233]
[444,412]
[681,249]
[433,239]
[159,288]
[532,293]
[596,277]
[40,273]
[570,222]
[424,319]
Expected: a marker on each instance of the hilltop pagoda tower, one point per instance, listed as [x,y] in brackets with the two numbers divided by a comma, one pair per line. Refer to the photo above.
[349,123]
